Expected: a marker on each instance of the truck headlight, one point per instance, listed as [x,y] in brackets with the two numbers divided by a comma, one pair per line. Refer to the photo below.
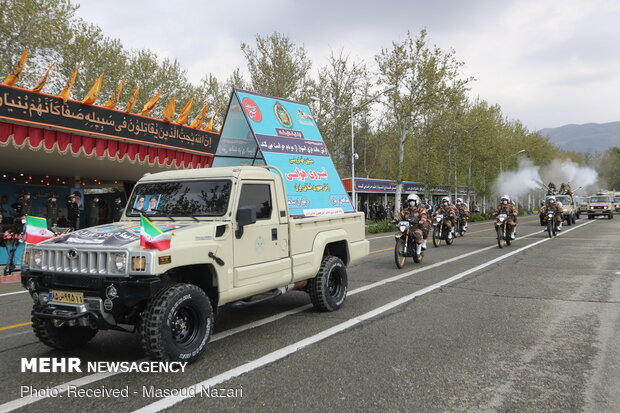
[138,263]
[119,261]
[37,257]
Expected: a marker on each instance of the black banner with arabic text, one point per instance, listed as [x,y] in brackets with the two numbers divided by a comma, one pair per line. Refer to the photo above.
[74,117]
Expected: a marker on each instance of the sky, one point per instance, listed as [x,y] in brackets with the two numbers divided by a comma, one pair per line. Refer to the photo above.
[547,63]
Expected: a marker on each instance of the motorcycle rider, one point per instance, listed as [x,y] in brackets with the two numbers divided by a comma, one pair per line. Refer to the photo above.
[415,210]
[505,207]
[448,211]
[463,210]
[554,205]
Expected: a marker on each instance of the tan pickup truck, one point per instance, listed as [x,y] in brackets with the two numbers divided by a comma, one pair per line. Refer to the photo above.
[232,242]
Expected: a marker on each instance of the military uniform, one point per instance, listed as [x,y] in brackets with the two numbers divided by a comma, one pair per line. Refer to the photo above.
[93,212]
[73,213]
[52,211]
[117,210]
[556,207]
[421,229]
[449,211]
[463,210]
[508,209]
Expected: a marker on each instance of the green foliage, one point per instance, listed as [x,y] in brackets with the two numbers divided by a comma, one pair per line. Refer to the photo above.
[609,168]
[277,66]
[379,227]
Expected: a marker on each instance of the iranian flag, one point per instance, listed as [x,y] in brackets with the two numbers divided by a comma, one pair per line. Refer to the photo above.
[36,230]
[153,237]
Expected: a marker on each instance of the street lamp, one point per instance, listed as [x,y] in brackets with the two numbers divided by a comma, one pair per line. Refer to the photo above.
[501,169]
[355,156]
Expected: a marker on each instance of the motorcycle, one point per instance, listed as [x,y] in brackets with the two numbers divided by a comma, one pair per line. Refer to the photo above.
[405,243]
[503,229]
[551,227]
[460,225]
[441,230]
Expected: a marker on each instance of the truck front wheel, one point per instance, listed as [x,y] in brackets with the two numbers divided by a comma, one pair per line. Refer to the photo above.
[329,288]
[177,324]
[62,338]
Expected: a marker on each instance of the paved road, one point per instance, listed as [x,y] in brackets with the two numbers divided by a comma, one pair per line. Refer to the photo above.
[534,327]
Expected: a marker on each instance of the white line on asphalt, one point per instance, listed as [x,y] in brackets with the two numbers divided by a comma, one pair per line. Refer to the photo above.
[295,347]
[83,381]
[16,292]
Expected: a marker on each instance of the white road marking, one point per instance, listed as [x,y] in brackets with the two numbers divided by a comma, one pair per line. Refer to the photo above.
[16,292]
[83,381]
[168,402]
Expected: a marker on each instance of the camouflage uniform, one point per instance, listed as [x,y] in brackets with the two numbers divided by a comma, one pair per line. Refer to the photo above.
[464,211]
[509,210]
[449,211]
[421,229]
[555,206]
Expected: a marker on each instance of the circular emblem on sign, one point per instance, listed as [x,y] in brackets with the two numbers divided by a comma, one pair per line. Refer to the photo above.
[282,115]
[259,245]
[252,110]
[72,254]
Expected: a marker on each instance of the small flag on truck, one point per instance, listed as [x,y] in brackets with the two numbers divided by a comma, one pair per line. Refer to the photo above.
[36,230]
[152,237]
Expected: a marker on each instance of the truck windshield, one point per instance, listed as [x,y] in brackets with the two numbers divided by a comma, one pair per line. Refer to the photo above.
[599,199]
[185,198]
[563,199]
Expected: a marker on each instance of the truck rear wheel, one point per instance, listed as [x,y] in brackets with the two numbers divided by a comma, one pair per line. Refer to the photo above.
[177,324]
[329,288]
[62,338]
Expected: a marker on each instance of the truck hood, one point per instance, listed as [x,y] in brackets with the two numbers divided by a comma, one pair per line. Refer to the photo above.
[117,234]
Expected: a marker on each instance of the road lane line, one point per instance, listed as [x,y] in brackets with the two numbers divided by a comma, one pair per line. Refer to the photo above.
[16,325]
[15,292]
[269,358]
[83,381]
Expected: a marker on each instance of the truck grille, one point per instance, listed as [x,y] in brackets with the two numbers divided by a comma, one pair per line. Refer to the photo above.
[84,262]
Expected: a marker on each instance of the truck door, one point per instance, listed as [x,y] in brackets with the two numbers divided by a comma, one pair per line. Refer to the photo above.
[260,253]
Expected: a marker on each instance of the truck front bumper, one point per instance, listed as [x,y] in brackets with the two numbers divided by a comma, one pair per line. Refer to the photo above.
[106,301]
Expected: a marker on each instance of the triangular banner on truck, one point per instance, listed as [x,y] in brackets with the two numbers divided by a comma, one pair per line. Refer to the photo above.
[261,130]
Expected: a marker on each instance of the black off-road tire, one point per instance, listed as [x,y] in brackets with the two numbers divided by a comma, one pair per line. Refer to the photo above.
[177,324]
[62,338]
[501,242]
[436,237]
[328,289]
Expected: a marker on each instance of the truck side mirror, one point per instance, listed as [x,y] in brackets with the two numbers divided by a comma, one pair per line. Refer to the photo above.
[246,215]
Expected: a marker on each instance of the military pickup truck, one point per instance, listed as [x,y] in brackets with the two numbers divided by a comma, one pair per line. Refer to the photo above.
[601,204]
[231,241]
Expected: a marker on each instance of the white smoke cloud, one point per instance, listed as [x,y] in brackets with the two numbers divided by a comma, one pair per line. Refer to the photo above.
[529,177]
[520,182]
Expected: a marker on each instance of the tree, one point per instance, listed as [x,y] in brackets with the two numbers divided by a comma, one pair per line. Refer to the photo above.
[426,79]
[41,26]
[609,168]
[278,67]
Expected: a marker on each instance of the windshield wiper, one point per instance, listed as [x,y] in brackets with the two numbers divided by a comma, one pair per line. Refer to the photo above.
[165,213]
[139,210]
[192,215]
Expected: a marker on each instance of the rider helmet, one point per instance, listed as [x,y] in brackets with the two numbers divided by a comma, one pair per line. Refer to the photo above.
[459,201]
[445,200]
[505,199]
[413,200]
[551,199]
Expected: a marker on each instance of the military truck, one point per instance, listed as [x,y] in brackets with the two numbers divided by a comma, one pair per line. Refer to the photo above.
[570,211]
[230,242]
[601,204]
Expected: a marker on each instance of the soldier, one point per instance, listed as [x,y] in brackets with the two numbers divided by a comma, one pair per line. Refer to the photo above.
[448,211]
[552,205]
[73,212]
[117,209]
[415,210]
[52,211]
[505,207]
[93,212]
[551,189]
[463,211]
[24,205]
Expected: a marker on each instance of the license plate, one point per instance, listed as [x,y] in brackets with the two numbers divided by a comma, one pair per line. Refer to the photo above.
[67,297]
